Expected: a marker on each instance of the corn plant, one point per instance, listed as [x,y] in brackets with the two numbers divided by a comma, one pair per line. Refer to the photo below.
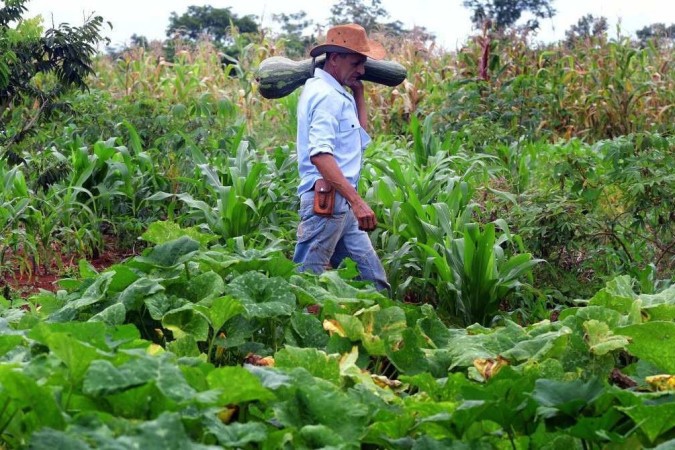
[474,275]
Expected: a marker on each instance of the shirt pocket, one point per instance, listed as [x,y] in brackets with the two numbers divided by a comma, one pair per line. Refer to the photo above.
[348,125]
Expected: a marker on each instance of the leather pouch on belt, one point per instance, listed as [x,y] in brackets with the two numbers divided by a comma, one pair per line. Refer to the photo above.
[324,198]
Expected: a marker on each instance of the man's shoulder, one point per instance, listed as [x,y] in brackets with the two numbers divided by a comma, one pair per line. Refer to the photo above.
[318,87]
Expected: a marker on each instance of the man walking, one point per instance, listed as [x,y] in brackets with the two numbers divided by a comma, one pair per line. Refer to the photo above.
[331,139]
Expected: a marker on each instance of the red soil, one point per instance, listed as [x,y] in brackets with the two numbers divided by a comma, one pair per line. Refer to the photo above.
[23,283]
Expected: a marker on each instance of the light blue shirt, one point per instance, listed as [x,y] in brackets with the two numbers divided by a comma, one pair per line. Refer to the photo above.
[328,123]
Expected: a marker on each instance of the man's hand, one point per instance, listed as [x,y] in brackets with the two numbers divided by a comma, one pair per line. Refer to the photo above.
[365,215]
[356,87]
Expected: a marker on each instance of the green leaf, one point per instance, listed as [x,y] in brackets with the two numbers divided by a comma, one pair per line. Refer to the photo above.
[601,340]
[187,320]
[167,431]
[653,342]
[565,397]
[237,385]
[318,402]
[205,287]
[36,401]
[160,304]
[161,232]
[316,362]
[305,330]
[9,343]
[185,346]
[617,295]
[236,435]
[133,295]
[103,378]
[114,314]
[660,306]
[123,276]
[320,436]
[171,253]
[654,417]
[223,309]
[261,296]
[48,439]
[95,293]
[406,354]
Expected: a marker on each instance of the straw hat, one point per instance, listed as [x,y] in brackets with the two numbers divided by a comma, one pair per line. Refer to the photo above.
[351,37]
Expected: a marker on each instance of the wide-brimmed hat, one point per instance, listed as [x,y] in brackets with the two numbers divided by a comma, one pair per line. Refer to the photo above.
[350,37]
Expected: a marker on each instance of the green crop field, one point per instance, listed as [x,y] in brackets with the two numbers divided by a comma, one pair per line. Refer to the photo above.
[526,225]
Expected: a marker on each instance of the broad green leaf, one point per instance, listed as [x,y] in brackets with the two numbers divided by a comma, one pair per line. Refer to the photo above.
[167,431]
[185,346]
[123,276]
[103,378]
[187,320]
[133,295]
[205,287]
[305,330]
[617,295]
[269,377]
[114,314]
[76,355]
[49,439]
[95,293]
[316,362]
[319,402]
[601,340]
[161,232]
[261,296]
[654,417]
[36,402]
[660,306]
[653,342]
[160,304]
[237,385]
[171,253]
[9,343]
[236,435]
[565,397]
[406,354]
[223,309]
[320,436]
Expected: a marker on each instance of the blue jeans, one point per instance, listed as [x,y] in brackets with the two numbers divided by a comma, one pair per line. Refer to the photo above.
[323,242]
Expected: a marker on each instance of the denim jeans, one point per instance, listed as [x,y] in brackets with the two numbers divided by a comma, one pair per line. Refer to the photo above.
[323,242]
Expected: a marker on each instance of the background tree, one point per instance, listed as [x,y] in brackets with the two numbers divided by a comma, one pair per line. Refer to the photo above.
[588,27]
[656,31]
[294,26]
[213,22]
[26,53]
[139,41]
[373,17]
[506,13]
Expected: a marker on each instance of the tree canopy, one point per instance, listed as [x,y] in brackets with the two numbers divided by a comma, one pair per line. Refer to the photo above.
[586,28]
[207,20]
[373,17]
[506,13]
[27,51]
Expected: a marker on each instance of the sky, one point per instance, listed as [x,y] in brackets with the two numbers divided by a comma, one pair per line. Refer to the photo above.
[447,19]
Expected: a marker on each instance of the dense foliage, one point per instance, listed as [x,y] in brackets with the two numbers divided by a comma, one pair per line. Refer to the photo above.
[525,225]
[29,55]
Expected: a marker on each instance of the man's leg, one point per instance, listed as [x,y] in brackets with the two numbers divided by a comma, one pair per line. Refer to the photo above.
[317,239]
[356,244]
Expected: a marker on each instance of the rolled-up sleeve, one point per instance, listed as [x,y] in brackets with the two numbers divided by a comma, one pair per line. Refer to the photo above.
[323,127]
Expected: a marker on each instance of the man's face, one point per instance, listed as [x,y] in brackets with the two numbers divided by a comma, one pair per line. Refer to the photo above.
[348,67]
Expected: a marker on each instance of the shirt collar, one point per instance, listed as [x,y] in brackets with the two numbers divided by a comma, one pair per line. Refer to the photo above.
[328,78]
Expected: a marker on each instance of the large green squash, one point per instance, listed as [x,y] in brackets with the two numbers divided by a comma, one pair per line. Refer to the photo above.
[278,76]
